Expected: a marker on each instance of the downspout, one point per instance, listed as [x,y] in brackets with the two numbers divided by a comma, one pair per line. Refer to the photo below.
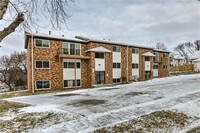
[33,88]
[127,64]
[75,67]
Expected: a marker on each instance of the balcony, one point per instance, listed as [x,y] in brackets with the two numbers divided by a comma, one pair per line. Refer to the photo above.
[160,60]
[63,54]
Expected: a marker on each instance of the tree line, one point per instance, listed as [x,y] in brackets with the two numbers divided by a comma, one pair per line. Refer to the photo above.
[13,71]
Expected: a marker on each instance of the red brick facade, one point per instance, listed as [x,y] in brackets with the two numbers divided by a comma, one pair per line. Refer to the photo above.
[55,73]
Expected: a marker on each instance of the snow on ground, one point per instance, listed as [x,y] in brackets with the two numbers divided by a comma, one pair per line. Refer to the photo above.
[100,107]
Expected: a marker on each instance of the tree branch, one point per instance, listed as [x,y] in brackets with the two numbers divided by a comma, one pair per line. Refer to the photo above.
[11,28]
[3,7]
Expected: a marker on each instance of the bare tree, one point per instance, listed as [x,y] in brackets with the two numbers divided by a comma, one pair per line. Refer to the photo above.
[13,70]
[161,46]
[182,51]
[197,45]
[30,12]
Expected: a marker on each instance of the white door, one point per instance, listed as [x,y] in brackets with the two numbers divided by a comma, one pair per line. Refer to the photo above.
[155,69]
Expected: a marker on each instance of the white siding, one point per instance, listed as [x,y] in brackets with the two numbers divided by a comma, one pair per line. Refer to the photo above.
[116,57]
[116,73]
[99,64]
[135,58]
[135,72]
[147,66]
[155,71]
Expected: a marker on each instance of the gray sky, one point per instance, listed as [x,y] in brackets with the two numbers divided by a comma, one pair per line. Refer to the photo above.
[140,22]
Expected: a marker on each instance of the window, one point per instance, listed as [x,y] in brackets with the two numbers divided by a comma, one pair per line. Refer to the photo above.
[71,48]
[116,49]
[72,83]
[118,80]
[164,66]
[155,66]
[43,84]
[42,43]
[147,58]
[71,65]
[135,66]
[99,55]
[165,55]
[42,64]
[135,50]
[156,56]
[116,65]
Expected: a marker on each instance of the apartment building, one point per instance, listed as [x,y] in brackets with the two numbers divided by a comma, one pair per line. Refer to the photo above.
[57,63]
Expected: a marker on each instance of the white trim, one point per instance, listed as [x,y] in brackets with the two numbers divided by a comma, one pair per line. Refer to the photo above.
[41,46]
[43,88]
[42,61]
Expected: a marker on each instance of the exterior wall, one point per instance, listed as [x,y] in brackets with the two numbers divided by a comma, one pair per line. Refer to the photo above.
[55,72]
[164,61]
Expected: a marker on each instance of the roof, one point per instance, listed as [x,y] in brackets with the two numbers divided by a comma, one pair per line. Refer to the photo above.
[178,58]
[29,35]
[99,49]
[160,50]
[149,54]
[110,42]
[195,55]
[197,60]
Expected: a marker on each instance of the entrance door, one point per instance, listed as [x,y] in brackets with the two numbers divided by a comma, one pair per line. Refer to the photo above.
[147,75]
[99,76]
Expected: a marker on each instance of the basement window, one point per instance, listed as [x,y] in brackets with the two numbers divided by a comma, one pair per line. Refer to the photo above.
[117,80]
[72,83]
[42,84]
[42,43]
[42,64]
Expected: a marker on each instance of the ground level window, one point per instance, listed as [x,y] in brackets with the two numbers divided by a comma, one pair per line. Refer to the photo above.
[155,66]
[43,84]
[118,80]
[72,83]
[164,66]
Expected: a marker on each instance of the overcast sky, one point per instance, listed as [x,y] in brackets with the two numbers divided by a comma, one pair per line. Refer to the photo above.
[140,22]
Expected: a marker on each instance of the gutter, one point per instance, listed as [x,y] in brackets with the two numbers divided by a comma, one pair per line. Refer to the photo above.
[33,88]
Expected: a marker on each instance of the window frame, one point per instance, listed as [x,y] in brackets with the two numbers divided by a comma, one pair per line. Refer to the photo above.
[73,81]
[99,57]
[116,48]
[42,88]
[69,48]
[73,67]
[165,55]
[116,65]
[136,49]
[116,80]
[156,67]
[135,64]
[42,43]
[42,64]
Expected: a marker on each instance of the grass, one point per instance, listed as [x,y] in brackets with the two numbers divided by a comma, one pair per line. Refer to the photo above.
[91,102]
[27,93]
[159,121]
[25,122]
[6,106]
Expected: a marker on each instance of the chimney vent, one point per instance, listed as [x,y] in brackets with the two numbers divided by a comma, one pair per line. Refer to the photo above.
[36,32]
[63,35]
[49,32]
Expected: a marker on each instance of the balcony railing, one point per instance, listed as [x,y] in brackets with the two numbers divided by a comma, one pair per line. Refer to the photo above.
[161,59]
[64,54]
